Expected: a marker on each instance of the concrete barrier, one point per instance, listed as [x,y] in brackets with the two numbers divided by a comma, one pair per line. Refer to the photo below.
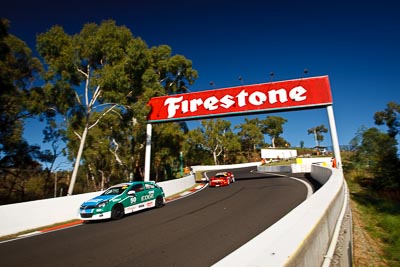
[316,233]
[221,167]
[34,214]
[301,165]
[306,236]
[25,216]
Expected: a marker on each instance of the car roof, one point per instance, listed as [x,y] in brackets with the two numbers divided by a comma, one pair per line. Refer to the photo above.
[132,183]
[125,184]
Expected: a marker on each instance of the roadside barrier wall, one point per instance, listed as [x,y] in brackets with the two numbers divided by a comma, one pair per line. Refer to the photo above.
[318,232]
[221,167]
[30,215]
[25,216]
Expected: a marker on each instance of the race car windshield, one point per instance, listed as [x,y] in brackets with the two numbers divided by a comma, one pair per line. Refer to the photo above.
[115,190]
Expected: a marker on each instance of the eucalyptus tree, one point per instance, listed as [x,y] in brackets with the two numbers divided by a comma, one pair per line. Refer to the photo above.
[377,153]
[106,152]
[250,134]
[281,142]
[273,126]
[55,137]
[168,149]
[18,96]
[317,132]
[105,69]
[216,137]
[18,102]
[391,117]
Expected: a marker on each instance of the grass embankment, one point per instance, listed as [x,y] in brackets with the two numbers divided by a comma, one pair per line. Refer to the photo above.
[379,215]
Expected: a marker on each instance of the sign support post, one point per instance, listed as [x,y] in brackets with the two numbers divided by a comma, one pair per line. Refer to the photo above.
[335,140]
[148,152]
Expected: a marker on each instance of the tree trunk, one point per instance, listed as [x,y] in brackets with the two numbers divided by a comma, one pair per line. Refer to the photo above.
[316,138]
[78,159]
[215,157]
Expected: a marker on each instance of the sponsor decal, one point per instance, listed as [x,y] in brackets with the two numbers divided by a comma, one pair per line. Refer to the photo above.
[298,93]
[146,197]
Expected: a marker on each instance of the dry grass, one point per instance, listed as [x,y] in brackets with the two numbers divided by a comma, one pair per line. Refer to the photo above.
[368,251]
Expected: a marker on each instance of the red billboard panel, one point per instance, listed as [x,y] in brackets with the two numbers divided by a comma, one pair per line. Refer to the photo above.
[240,100]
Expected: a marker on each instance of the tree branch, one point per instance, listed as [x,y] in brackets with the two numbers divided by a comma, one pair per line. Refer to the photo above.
[77,134]
[102,115]
[115,152]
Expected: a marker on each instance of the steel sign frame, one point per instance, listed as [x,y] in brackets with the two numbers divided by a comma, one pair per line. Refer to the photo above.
[257,98]
[304,93]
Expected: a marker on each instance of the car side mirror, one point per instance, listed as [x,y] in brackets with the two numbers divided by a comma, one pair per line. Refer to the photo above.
[131,193]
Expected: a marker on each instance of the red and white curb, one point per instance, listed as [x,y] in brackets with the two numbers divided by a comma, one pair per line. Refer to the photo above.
[186,193]
[50,229]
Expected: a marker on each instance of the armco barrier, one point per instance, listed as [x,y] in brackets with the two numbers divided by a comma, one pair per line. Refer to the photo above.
[34,214]
[309,234]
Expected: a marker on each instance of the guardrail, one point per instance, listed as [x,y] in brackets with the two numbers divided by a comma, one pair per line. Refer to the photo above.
[318,232]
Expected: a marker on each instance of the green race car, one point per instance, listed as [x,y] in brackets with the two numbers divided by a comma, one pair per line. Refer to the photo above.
[122,199]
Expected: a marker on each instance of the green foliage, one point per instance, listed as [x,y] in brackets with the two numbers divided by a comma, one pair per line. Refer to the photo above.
[391,117]
[317,132]
[377,153]
[18,68]
[251,137]
[119,74]
[273,126]
[382,219]
[166,149]
[18,159]
[215,137]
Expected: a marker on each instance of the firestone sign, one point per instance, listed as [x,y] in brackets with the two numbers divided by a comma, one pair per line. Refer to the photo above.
[257,98]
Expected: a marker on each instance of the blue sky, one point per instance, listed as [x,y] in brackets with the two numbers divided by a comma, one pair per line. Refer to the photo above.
[355,43]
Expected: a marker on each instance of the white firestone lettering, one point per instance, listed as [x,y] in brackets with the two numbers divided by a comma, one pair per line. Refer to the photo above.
[257,98]
[297,93]
[210,102]
[273,96]
[242,98]
[172,107]
[185,106]
[194,103]
[227,101]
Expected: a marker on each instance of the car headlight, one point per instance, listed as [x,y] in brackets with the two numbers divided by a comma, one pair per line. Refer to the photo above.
[102,204]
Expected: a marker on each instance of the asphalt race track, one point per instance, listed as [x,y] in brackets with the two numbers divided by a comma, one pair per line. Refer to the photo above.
[198,230]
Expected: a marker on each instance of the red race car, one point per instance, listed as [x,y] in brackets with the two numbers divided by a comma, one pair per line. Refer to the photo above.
[221,179]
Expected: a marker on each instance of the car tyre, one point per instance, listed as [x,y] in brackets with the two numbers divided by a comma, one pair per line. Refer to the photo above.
[159,202]
[117,212]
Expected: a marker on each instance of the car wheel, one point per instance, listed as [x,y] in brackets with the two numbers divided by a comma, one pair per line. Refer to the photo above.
[117,212]
[159,202]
